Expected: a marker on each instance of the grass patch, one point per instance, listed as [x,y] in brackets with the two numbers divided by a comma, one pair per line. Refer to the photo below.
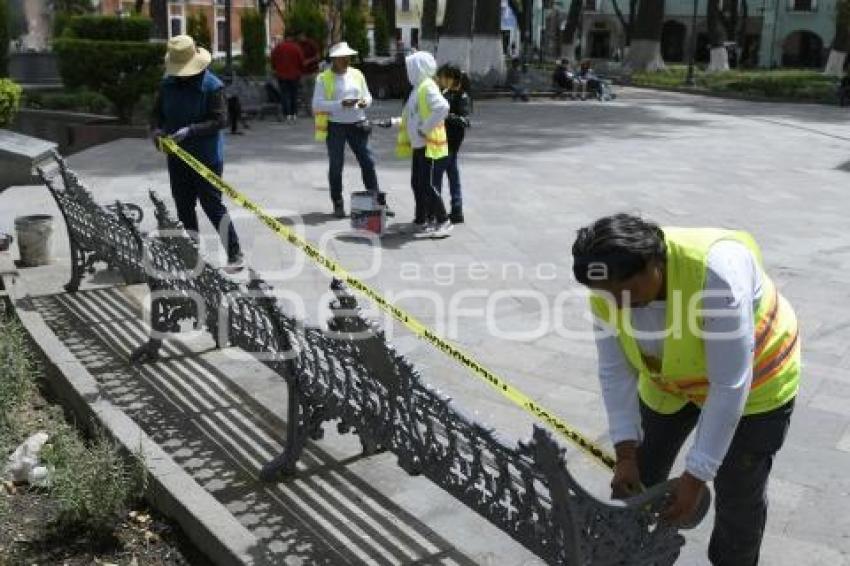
[783,84]
[91,481]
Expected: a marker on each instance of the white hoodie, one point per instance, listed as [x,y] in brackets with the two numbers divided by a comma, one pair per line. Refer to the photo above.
[421,66]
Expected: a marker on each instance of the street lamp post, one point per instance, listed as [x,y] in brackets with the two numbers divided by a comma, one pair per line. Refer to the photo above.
[690,81]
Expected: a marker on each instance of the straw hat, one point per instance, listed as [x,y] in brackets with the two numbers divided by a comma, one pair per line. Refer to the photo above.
[342,49]
[184,59]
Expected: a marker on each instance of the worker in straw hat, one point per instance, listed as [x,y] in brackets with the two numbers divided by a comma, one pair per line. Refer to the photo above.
[340,99]
[190,109]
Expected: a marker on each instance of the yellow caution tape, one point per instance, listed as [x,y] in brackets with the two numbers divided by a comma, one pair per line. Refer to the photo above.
[418,328]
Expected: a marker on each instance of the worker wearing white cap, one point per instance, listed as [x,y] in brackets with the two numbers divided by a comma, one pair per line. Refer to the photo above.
[340,100]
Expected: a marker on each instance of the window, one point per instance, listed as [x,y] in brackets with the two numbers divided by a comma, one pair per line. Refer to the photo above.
[405,5]
[175,20]
[803,5]
[590,6]
[221,41]
[414,37]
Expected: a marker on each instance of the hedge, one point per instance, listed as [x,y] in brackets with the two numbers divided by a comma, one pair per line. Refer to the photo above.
[122,71]
[110,28]
[10,98]
[784,84]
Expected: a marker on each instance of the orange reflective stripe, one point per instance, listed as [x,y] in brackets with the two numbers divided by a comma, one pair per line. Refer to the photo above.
[765,327]
[773,365]
[436,142]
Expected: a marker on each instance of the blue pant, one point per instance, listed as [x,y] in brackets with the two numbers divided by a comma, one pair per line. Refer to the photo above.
[453,173]
[188,188]
[358,140]
[741,483]
[289,96]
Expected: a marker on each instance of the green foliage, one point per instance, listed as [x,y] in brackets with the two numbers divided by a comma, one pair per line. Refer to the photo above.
[5,27]
[198,28]
[110,28]
[354,30]
[382,33]
[306,16]
[786,84]
[78,101]
[17,380]
[253,43]
[72,7]
[10,99]
[123,71]
[91,483]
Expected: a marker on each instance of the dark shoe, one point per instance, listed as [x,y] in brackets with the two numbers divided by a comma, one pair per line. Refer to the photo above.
[456,216]
[339,209]
[235,264]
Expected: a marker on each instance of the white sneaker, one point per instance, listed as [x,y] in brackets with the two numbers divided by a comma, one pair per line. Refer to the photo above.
[416,228]
[442,230]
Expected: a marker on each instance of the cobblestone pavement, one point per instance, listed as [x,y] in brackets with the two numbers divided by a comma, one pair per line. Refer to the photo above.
[501,286]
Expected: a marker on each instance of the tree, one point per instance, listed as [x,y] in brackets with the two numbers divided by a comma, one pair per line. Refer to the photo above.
[645,51]
[381,33]
[4,38]
[456,37]
[428,36]
[487,61]
[387,9]
[306,16]
[354,29]
[253,43]
[841,42]
[571,28]
[627,22]
[719,60]
[199,29]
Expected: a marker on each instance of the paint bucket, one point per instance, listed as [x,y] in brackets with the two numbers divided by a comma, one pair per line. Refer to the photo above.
[34,239]
[369,212]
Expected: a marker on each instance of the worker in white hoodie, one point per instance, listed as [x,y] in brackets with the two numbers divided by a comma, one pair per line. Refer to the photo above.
[423,138]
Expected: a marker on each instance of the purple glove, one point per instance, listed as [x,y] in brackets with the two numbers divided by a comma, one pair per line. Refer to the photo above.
[181,134]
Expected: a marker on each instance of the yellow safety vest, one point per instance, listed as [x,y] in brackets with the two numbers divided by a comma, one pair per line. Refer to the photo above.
[436,142]
[327,79]
[681,377]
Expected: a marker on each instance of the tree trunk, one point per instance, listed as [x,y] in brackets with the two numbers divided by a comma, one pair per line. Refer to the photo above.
[719,58]
[841,42]
[159,15]
[626,23]
[456,38]
[569,37]
[487,61]
[645,49]
[428,37]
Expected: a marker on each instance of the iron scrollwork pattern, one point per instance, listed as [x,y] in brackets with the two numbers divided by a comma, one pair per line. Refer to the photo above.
[349,373]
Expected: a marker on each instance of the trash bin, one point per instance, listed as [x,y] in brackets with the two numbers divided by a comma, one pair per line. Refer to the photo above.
[34,239]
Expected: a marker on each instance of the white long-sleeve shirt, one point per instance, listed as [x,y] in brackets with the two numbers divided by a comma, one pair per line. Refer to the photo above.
[346,87]
[439,107]
[734,288]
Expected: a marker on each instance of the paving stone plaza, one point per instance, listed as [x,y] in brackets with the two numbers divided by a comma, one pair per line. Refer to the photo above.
[502,288]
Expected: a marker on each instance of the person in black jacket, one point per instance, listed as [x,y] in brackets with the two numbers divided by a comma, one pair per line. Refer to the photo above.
[454,85]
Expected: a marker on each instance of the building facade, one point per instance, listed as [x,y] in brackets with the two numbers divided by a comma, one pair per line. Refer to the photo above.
[790,33]
[213,10]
